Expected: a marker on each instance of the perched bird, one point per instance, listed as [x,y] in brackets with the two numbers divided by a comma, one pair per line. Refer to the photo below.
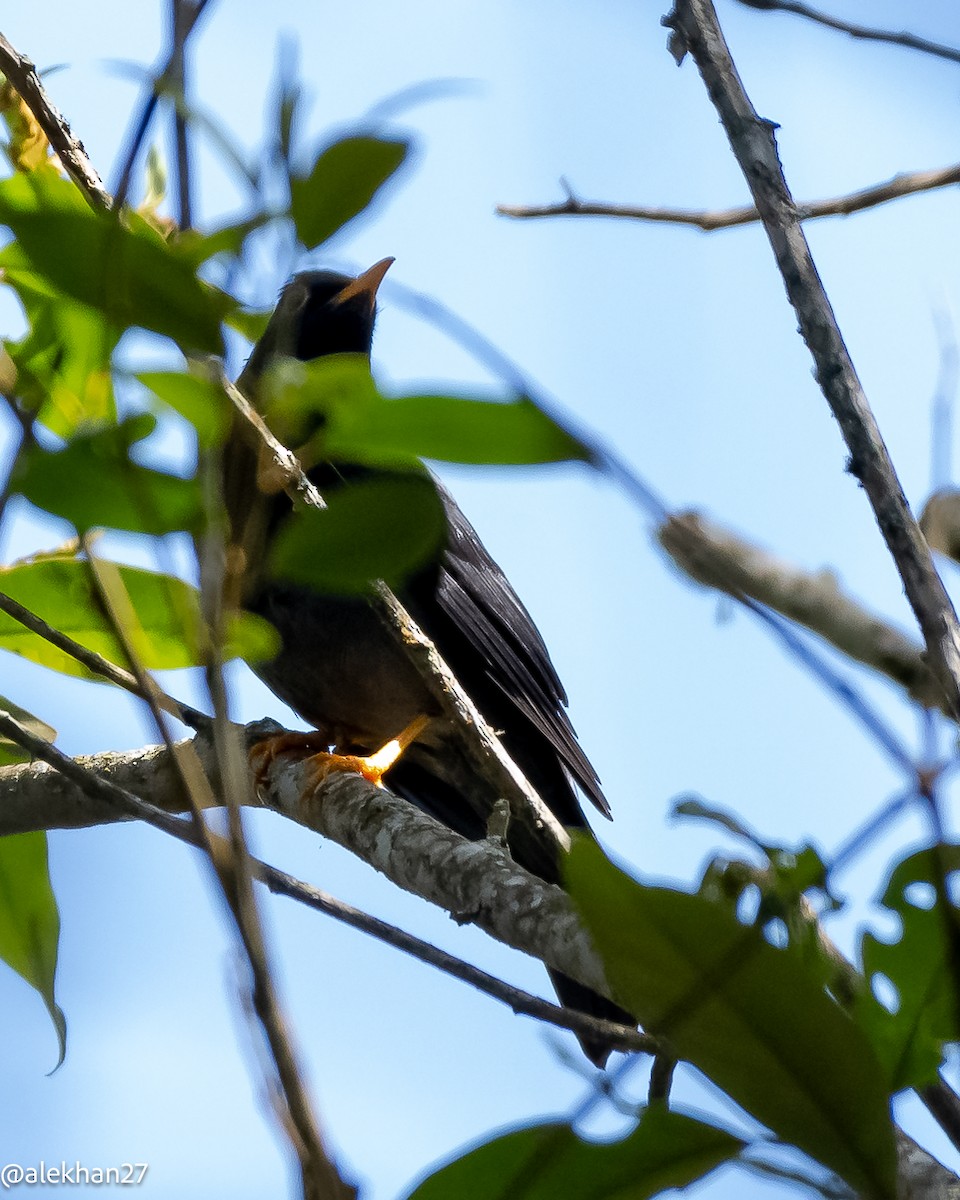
[340,669]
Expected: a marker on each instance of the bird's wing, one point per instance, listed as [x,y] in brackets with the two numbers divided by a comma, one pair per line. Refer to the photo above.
[476,595]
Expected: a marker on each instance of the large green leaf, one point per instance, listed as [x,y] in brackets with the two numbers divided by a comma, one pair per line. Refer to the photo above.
[342,182]
[63,361]
[360,424]
[94,482]
[170,633]
[550,1162]
[29,920]
[199,401]
[753,1018]
[381,528]
[921,965]
[124,269]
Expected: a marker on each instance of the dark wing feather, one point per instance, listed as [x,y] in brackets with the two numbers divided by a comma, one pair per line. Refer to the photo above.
[476,595]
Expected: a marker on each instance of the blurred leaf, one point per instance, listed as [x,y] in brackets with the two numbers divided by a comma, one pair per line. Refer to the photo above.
[922,967]
[63,361]
[342,182]
[753,1018]
[124,269]
[94,482]
[59,591]
[362,425]
[251,638]
[249,323]
[29,920]
[549,1162]
[10,752]
[199,401]
[197,248]
[381,528]
[940,522]
[27,147]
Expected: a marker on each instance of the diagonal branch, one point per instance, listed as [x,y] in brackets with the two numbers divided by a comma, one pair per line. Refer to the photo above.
[907,183]
[23,75]
[861,32]
[717,558]
[697,31]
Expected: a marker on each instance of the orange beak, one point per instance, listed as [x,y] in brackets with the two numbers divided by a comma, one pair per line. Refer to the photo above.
[365,284]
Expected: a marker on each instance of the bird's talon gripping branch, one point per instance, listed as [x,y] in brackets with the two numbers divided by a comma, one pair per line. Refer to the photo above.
[297,745]
[372,767]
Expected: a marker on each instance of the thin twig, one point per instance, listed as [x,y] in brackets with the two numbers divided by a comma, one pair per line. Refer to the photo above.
[908,183]
[180,14]
[96,663]
[696,29]
[141,124]
[22,73]
[862,32]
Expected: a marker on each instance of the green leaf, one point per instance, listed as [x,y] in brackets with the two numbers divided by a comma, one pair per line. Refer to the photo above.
[249,323]
[921,965]
[197,248]
[63,361]
[362,425]
[199,401]
[123,269]
[548,1162]
[381,528]
[29,920]
[171,631]
[95,483]
[10,752]
[753,1018]
[342,182]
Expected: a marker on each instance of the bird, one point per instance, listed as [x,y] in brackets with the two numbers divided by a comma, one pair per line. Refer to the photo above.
[342,670]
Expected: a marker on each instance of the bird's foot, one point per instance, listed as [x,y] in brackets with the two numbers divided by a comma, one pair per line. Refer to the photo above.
[372,767]
[297,745]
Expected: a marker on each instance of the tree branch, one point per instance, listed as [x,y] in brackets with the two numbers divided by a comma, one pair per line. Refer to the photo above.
[862,32]
[908,183]
[717,558]
[100,789]
[695,29]
[23,75]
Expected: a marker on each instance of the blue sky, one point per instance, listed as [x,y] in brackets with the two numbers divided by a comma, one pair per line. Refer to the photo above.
[676,348]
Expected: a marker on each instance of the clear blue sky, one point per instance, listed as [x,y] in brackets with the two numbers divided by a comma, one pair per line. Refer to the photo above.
[675,347]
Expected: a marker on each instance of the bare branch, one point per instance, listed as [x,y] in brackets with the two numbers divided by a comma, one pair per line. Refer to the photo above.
[719,559]
[907,183]
[695,29]
[862,32]
[23,75]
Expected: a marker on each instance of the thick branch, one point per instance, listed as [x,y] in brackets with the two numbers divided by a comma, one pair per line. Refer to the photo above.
[696,30]
[714,556]
[907,183]
[477,882]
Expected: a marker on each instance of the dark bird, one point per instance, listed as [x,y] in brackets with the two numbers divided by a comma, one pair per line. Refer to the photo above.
[344,672]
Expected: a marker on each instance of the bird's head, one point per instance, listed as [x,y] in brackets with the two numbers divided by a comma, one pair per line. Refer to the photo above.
[319,312]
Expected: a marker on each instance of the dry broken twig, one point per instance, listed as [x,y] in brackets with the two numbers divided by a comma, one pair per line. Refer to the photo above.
[907,183]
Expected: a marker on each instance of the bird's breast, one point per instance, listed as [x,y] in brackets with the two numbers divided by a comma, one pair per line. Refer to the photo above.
[338,667]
